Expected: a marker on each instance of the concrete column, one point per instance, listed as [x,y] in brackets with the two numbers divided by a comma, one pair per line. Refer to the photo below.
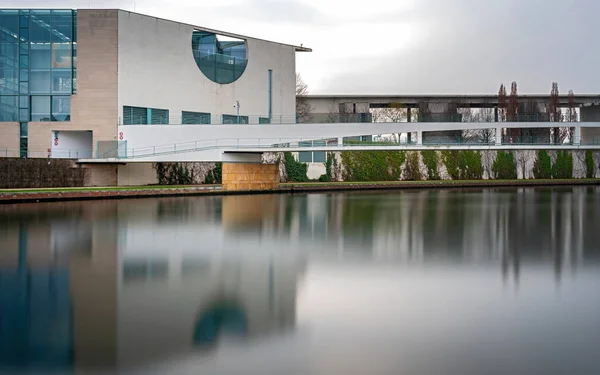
[498,136]
[419,137]
[340,141]
[577,135]
[408,119]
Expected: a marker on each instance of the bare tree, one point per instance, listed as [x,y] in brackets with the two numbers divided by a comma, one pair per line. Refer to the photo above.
[485,135]
[303,108]
[502,104]
[554,114]
[570,116]
[392,114]
[513,109]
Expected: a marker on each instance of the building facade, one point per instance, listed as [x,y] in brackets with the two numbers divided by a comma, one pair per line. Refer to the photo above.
[68,78]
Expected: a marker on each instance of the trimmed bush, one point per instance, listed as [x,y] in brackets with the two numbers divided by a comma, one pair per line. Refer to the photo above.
[412,171]
[430,159]
[373,165]
[463,165]
[589,164]
[173,174]
[295,170]
[214,176]
[542,166]
[563,166]
[504,166]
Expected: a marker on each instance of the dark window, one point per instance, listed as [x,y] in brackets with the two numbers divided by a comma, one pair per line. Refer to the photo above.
[195,117]
[235,119]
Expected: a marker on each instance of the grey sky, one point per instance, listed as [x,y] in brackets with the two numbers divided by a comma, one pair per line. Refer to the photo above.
[407,46]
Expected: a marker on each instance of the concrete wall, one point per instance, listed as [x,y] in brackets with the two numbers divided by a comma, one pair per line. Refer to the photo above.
[157,70]
[94,106]
[133,174]
[72,144]
[250,176]
[9,141]
[102,174]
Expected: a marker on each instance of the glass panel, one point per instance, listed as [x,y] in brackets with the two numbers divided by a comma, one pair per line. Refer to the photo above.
[24,20]
[24,114]
[40,108]
[24,75]
[24,48]
[24,88]
[39,82]
[24,61]
[305,157]
[61,81]
[195,117]
[8,108]
[9,81]
[221,59]
[159,116]
[24,132]
[319,157]
[61,108]
[23,101]
[62,24]
[40,56]
[9,53]
[74,52]
[39,25]
[9,20]
[23,147]
[135,115]
[61,55]
[24,35]
[74,81]
[264,120]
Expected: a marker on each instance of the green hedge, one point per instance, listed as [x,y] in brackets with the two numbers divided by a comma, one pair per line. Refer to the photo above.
[563,166]
[542,166]
[214,176]
[589,164]
[430,159]
[173,174]
[504,166]
[373,165]
[463,165]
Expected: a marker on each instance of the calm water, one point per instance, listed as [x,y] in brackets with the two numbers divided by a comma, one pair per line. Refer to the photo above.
[413,282]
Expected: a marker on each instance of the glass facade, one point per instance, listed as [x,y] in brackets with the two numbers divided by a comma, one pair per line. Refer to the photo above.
[221,59]
[37,64]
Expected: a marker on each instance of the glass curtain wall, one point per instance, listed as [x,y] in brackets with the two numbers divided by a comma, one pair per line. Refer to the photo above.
[38,50]
[221,59]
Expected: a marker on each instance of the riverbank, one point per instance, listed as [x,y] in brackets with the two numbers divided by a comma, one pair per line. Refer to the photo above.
[128,192]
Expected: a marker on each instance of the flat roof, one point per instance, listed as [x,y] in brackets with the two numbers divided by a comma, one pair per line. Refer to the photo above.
[225,33]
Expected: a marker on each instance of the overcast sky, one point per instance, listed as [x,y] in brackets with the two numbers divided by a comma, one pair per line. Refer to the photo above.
[407,46]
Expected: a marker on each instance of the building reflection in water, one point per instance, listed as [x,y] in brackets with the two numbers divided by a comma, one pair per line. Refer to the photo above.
[117,283]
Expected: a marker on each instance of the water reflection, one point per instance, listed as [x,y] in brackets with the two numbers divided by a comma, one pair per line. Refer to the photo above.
[121,284]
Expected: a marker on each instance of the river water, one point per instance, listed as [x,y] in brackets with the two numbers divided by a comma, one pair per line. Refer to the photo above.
[492,281]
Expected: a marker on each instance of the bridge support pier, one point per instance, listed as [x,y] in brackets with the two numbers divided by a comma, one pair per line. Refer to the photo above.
[245,172]
[419,137]
[577,135]
[498,136]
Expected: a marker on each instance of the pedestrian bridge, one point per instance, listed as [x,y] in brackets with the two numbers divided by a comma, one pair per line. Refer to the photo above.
[213,143]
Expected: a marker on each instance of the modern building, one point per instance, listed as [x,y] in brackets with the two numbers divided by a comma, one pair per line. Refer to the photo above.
[69,78]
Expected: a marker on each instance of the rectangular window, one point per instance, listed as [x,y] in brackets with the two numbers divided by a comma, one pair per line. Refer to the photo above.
[40,108]
[61,108]
[23,147]
[40,56]
[264,120]
[305,157]
[39,82]
[159,116]
[135,115]
[319,157]
[233,119]
[61,81]
[195,117]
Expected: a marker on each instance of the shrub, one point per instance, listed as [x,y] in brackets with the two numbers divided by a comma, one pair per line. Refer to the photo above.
[214,176]
[430,159]
[295,170]
[563,166]
[542,166]
[504,166]
[412,172]
[373,165]
[173,174]
[463,165]
[589,164]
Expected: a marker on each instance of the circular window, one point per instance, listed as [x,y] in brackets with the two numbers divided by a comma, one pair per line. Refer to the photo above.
[221,59]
